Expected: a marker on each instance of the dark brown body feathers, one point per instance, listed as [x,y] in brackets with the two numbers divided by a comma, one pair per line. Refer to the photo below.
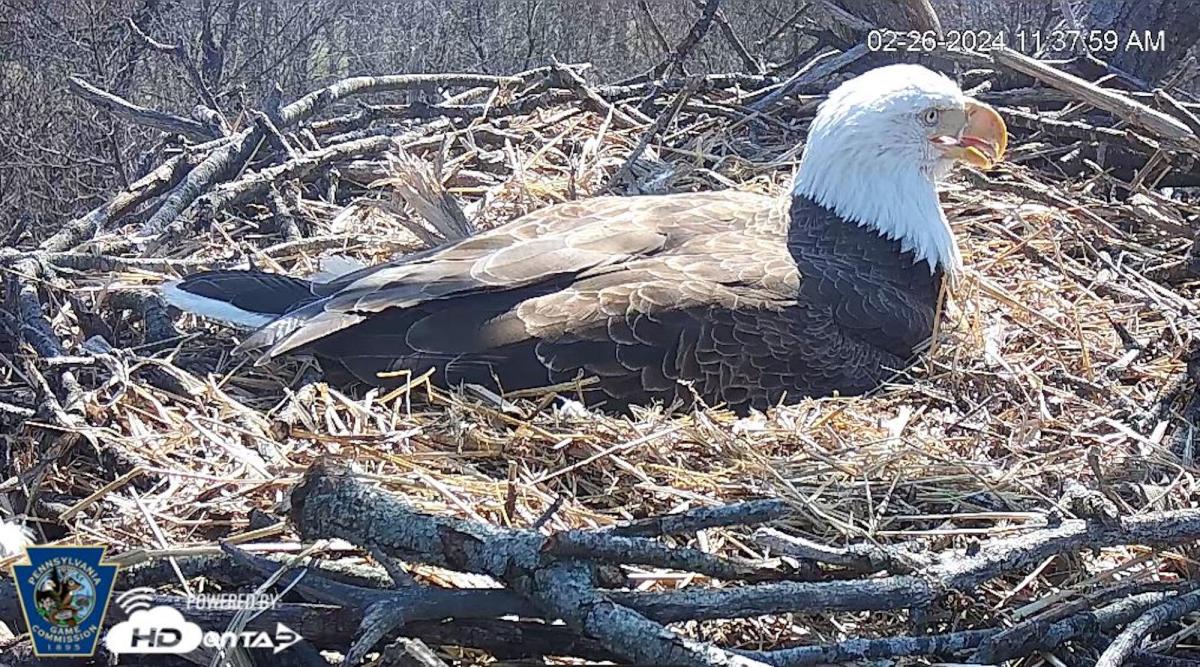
[733,297]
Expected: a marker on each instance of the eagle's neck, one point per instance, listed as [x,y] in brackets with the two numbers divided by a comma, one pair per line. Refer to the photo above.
[890,196]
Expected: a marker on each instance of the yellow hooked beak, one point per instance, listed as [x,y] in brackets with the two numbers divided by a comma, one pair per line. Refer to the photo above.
[983,140]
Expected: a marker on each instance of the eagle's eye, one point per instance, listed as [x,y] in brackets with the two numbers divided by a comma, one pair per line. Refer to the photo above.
[930,116]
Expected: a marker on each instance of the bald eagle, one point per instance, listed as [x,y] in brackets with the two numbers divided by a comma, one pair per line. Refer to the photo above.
[736,298]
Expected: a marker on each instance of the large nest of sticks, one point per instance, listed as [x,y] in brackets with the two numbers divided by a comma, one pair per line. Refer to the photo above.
[1025,492]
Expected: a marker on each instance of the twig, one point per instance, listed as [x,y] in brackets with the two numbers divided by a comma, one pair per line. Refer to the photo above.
[816,70]
[547,514]
[745,513]
[1119,105]
[839,16]
[676,57]
[180,54]
[751,63]
[1131,637]
[659,125]
[857,557]
[787,23]
[654,28]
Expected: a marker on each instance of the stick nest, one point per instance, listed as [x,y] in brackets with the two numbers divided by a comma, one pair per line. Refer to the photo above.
[1061,360]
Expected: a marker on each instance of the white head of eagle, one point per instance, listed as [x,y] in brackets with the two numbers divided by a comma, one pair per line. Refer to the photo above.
[880,142]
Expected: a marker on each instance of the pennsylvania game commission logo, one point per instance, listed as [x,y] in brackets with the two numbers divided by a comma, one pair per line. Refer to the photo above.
[64,593]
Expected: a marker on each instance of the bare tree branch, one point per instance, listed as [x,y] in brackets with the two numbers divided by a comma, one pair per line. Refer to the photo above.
[139,115]
[1131,637]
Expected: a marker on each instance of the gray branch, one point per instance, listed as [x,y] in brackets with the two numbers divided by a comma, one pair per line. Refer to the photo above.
[136,114]
[258,184]
[1131,637]
[329,502]
[162,179]
[642,551]
[224,161]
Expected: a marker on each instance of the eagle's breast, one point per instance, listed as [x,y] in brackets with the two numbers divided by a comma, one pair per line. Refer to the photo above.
[873,288]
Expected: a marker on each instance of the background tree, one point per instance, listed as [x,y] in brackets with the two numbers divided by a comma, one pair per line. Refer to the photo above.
[59,155]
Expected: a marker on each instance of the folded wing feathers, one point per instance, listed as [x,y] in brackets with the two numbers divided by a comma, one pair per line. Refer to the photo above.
[589,239]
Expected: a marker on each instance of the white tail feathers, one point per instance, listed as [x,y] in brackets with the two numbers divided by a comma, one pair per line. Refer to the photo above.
[13,539]
[213,309]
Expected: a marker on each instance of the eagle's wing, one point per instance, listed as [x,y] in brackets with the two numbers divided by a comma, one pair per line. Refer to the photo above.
[717,315]
[744,317]
[538,249]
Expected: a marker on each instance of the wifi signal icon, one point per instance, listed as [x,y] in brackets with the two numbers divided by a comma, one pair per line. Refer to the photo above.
[136,599]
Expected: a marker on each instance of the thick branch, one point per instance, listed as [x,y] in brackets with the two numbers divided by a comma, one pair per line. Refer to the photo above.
[951,571]
[38,333]
[1131,637]
[136,114]
[780,598]
[307,106]
[229,157]
[81,230]
[258,184]
[222,162]
[634,550]
[1046,637]
[328,627]
[1121,106]
[571,79]
[565,589]
[332,503]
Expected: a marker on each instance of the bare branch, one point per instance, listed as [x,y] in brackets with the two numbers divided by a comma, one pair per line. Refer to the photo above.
[81,230]
[138,115]
[676,57]
[690,521]
[1131,638]
[562,588]
[1121,106]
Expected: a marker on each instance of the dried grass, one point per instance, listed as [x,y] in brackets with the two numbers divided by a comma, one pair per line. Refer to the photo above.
[1060,357]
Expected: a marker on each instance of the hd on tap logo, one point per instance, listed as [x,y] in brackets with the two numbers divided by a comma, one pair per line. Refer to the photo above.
[151,629]
[163,629]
